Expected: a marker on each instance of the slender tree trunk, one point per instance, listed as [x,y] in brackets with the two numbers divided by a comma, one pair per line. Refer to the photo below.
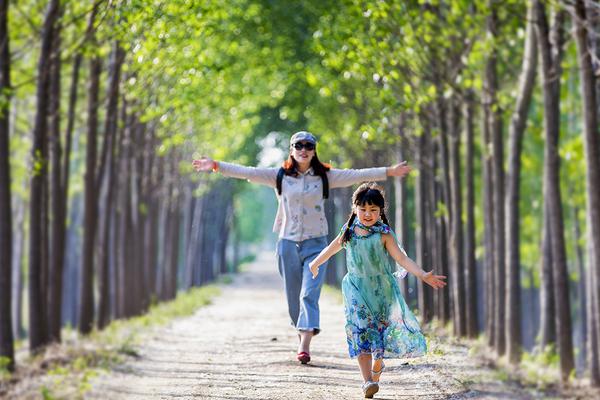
[17,270]
[58,228]
[107,189]
[86,288]
[6,330]
[456,225]
[488,221]
[37,315]
[421,209]
[470,261]
[516,131]
[547,308]
[592,153]
[497,175]
[550,43]
[400,194]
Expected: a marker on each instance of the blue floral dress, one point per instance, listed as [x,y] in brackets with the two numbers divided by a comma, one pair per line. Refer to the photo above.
[378,321]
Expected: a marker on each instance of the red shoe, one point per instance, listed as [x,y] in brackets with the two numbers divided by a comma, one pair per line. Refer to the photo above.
[303,357]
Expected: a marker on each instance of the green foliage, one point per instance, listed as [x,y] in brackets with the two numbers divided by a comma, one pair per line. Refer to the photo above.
[541,368]
[4,372]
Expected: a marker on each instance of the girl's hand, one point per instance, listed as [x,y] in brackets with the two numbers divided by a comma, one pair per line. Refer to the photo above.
[400,170]
[204,164]
[314,269]
[435,281]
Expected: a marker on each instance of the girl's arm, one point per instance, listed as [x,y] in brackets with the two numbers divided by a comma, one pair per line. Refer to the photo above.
[435,281]
[348,177]
[325,255]
[265,176]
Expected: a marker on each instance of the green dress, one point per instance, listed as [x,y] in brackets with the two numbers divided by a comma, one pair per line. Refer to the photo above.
[378,321]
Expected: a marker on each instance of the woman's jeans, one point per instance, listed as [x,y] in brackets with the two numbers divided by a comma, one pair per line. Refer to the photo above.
[301,290]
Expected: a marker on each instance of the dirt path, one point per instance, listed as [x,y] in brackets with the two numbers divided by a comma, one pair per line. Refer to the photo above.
[241,347]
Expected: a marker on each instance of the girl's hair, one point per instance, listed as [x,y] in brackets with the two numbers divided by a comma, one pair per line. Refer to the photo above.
[367,193]
[291,166]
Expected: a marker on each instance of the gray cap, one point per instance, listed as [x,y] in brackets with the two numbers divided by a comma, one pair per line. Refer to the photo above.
[303,136]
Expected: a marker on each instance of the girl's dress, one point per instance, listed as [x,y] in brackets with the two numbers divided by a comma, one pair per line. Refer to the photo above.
[378,321]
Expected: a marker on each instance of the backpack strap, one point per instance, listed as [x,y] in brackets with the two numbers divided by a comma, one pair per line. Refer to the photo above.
[324,179]
[280,174]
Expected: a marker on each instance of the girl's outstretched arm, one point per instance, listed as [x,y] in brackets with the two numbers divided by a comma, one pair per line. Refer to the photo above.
[325,255]
[435,281]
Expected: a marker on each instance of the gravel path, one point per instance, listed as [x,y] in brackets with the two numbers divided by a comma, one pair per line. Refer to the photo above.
[241,347]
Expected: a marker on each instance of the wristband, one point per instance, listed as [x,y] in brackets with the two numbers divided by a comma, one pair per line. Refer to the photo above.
[215,166]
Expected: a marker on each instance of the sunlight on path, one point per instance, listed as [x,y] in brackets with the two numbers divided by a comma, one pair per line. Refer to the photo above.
[242,347]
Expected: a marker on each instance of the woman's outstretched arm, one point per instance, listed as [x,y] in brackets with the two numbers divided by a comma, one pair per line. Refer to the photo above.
[325,255]
[349,177]
[265,176]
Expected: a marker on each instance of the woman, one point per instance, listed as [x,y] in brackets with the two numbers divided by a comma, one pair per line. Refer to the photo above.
[302,183]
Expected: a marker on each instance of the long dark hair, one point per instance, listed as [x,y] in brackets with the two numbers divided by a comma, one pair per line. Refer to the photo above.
[367,193]
[291,166]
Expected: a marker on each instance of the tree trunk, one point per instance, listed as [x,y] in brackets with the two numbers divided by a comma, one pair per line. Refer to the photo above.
[497,184]
[37,302]
[106,189]
[6,330]
[456,226]
[400,195]
[592,152]
[470,262]
[488,222]
[17,270]
[58,228]
[516,131]
[86,288]
[550,55]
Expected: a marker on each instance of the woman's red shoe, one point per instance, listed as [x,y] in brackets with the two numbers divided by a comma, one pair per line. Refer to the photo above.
[303,357]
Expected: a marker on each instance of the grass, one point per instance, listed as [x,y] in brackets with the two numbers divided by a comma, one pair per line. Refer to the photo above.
[66,370]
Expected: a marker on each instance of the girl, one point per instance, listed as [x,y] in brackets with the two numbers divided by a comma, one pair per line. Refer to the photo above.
[378,322]
[302,184]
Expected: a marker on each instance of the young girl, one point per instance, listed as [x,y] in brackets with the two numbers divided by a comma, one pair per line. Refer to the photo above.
[378,322]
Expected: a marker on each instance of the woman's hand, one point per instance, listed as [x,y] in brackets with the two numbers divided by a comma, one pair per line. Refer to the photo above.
[314,268]
[435,281]
[205,164]
[400,170]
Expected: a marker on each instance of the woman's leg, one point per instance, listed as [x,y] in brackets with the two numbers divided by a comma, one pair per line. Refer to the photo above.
[290,269]
[305,338]
[308,318]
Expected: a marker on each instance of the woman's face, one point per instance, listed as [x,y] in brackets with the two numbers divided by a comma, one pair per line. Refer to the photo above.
[368,214]
[303,152]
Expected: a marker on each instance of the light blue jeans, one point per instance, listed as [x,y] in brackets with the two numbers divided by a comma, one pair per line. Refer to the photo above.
[301,290]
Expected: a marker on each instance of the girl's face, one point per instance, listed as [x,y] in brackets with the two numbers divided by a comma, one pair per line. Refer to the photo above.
[368,214]
[303,152]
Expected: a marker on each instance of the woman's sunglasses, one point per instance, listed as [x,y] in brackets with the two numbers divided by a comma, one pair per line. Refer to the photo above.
[307,146]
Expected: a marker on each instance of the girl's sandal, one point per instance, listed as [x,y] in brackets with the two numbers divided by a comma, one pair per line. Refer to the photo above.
[369,388]
[377,374]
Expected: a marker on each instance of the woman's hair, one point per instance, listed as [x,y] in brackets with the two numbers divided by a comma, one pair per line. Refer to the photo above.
[367,193]
[291,166]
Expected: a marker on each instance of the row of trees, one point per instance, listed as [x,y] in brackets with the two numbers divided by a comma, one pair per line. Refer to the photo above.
[434,82]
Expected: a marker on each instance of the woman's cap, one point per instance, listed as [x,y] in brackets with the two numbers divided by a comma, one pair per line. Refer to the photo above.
[303,136]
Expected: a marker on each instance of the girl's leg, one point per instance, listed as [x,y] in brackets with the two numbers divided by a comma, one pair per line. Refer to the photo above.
[377,369]
[364,363]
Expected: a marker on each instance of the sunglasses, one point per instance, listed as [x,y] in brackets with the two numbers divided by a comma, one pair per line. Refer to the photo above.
[307,146]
